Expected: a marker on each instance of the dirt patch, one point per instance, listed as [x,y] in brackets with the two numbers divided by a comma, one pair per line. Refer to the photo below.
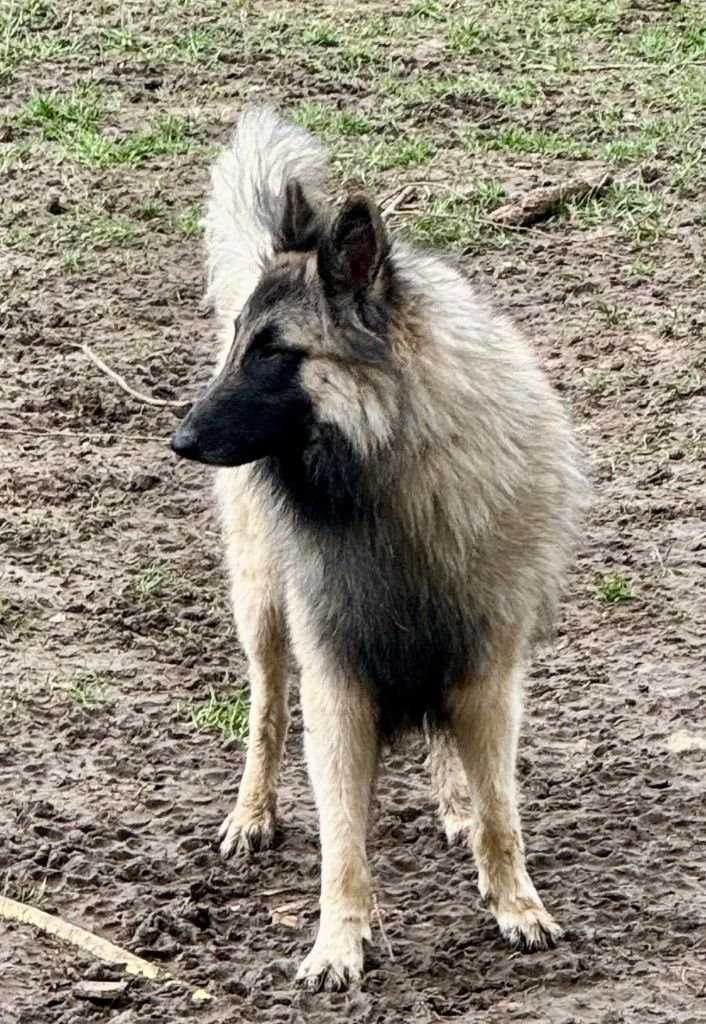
[111,807]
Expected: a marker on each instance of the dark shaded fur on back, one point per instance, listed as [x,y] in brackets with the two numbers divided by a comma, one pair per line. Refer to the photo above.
[381,608]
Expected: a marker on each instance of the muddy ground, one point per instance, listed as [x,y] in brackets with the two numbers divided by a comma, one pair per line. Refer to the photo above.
[110,811]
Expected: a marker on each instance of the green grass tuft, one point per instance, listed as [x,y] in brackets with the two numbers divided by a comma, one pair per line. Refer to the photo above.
[189,220]
[612,314]
[467,35]
[227,716]
[154,579]
[88,688]
[58,116]
[75,121]
[459,222]
[386,154]
[614,587]
[25,890]
[330,123]
[638,210]
[165,135]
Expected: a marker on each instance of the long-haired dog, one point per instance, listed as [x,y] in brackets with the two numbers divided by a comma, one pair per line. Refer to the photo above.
[399,494]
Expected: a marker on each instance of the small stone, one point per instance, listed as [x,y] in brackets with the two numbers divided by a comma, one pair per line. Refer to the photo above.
[682,740]
[288,913]
[100,991]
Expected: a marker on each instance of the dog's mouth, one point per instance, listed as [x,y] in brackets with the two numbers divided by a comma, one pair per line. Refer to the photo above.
[235,425]
[219,448]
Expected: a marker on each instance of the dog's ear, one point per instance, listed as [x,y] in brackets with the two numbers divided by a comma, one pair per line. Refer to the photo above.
[300,229]
[354,251]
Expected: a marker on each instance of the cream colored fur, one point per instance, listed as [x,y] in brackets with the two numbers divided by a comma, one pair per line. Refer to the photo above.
[483,474]
[485,721]
[450,786]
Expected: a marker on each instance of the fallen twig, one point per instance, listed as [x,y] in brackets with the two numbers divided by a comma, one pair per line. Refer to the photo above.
[396,198]
[51,924]
[381,926]
[638,66]
[277,892]
[540,203]
[122,383]
[82,435]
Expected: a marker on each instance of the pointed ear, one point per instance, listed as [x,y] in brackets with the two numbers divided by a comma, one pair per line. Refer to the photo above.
[353,254]
[300,228]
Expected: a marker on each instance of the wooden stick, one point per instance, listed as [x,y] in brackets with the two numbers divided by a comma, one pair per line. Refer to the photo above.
[82,434]
[539,203]
[638,66]
[122,383]
[12,910]
[381,926]
[396,199]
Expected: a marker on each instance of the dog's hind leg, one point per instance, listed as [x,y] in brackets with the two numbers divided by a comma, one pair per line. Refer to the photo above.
[450,785]
[341,738]
[485,719]
[257,597]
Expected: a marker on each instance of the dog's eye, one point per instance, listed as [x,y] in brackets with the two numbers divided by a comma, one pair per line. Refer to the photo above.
[272,352]
[267,343]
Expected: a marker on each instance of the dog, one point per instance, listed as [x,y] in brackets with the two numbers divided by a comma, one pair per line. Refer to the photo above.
[399,492]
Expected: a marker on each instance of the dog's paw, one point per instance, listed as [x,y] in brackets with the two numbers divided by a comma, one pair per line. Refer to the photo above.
[239,835]
[528,926]
[327,975]
[335,961]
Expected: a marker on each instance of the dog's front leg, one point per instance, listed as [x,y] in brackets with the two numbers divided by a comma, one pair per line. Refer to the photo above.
[341,740]
[485,719]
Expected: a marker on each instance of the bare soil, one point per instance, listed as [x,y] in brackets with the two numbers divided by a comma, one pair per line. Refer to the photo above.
[110,814]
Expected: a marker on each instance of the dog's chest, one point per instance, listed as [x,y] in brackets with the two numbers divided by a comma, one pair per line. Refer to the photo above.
[378,603]
[380,610]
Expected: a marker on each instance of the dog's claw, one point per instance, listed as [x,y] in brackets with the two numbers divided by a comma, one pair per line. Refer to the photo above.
[332,966]
[529,930]
[327,977]
[238,836]
[330,979]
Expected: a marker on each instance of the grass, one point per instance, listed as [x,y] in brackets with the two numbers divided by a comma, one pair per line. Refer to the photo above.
[459,222]
[689,383]
[598,383]
[189,220]
[88,226]
[639,211]
[76,123]
[614,587]
[13,156]
[89,689]
[165,135]
[156,578]
[78,262]
[329,122]
[612,314]
[35,528]
[25,890]
[519,139]
[467,35]
[227,716]
[516,92]
[385,154]
[87,229]
[32,30]
[59,115]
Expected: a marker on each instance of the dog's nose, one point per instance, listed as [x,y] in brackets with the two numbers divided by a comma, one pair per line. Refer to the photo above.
[185,442]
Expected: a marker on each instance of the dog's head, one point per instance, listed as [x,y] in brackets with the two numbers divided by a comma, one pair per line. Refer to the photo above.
[311,346]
